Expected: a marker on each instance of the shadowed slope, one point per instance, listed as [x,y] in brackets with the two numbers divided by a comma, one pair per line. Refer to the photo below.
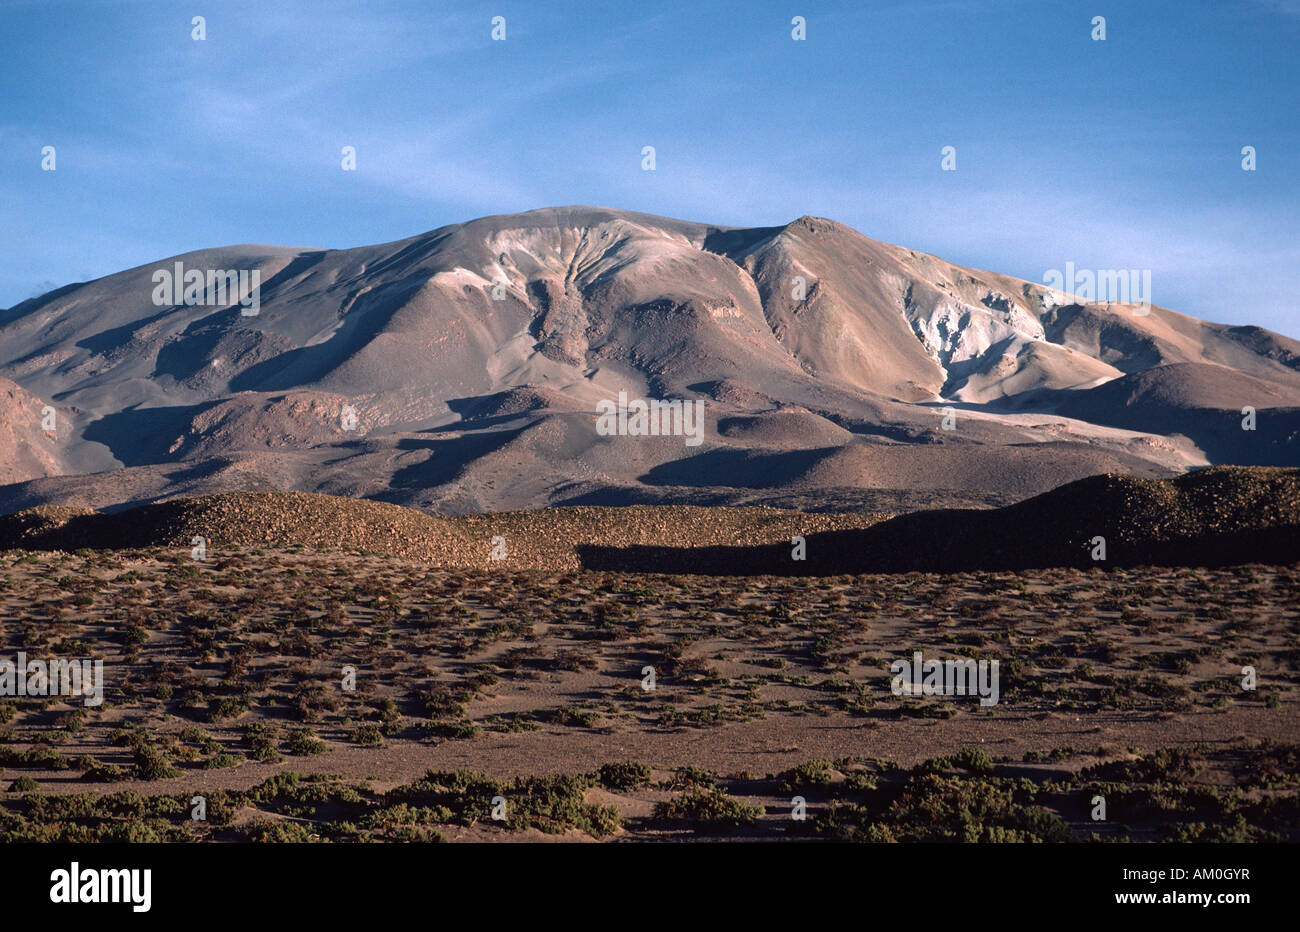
[1212,517]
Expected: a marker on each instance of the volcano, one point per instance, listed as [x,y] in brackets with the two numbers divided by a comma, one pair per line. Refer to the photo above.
[463,370]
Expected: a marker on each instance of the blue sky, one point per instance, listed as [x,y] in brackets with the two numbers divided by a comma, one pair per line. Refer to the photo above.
[1116,154]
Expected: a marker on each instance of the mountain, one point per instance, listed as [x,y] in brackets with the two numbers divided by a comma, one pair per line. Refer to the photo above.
[461,370]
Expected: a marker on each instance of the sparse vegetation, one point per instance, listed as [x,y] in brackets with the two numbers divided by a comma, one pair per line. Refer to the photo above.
[237,664]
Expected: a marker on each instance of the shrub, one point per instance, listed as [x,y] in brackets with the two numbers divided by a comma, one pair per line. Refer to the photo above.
[304,743]
[707,810]
[221,761]
[628,775]
[260,737]
[151,764]
[449,730]
[814,774]
[973,760]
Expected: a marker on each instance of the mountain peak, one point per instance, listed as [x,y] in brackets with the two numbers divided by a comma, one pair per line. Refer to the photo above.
[826,360]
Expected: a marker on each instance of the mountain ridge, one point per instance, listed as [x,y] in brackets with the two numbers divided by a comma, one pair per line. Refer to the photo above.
[802,332]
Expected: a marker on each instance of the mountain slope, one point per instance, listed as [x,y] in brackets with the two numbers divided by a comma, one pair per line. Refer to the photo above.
[460,370]
[27,448]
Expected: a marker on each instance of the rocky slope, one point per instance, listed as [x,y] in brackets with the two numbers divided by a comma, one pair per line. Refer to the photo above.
[1220,516]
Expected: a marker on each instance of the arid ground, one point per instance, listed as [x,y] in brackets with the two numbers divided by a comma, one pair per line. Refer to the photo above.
[225,678]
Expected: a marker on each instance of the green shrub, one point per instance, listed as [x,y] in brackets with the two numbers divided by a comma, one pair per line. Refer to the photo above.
[449,730]
[222,761]
[813,774]
[628,775]
[151,764]
[304,743]
[707,810]
[367,734]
